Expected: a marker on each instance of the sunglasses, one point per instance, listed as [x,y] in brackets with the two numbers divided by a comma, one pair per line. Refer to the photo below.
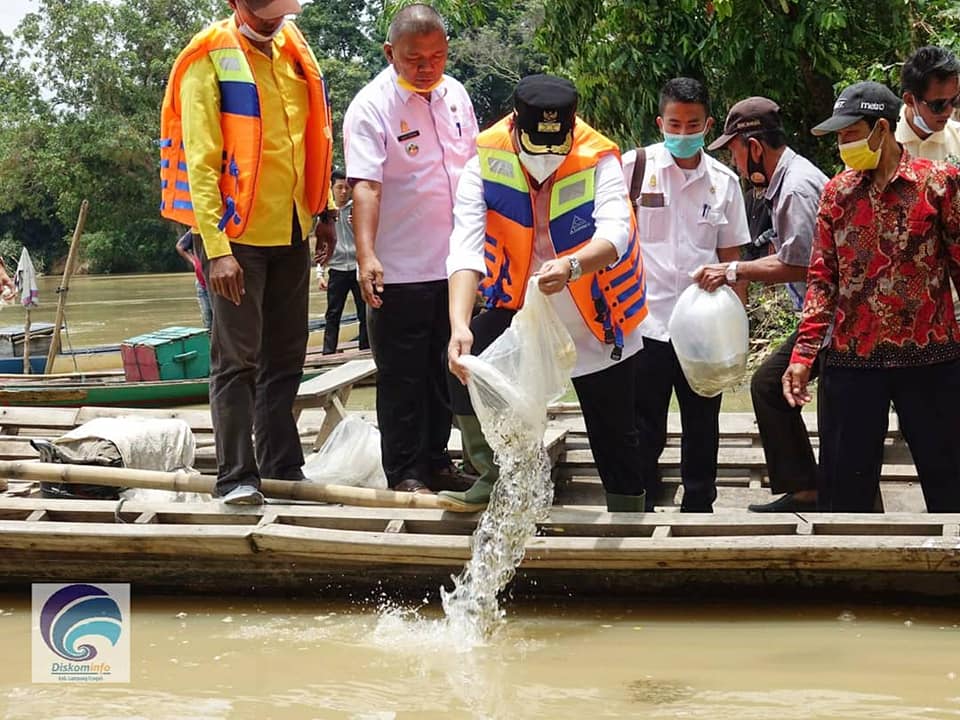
[939,106]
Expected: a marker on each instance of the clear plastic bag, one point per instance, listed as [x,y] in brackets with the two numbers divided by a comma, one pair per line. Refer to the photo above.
[524,369]
[350,456]
[711,337]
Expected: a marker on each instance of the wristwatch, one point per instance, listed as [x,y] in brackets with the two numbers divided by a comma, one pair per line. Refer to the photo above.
[731,272]
[576,270]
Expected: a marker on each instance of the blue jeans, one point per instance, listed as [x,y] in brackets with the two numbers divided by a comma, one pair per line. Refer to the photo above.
[206,310]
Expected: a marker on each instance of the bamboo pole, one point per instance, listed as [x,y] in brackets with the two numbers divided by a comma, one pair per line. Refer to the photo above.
[65,285]
[181,481]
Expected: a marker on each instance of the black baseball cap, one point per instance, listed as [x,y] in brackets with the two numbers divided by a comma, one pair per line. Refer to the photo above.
[546,108]
[860,101]
[755,114]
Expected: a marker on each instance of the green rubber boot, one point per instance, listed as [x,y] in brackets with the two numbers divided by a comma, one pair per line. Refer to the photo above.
[479,454]
[626,503]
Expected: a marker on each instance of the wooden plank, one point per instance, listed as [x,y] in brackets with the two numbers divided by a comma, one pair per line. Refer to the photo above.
[112,540]
[197,419]
[395,526]
[146,518]
[313,392]
[37,516]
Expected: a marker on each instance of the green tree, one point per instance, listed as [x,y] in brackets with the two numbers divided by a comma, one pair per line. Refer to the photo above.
[794,51]
[102,68]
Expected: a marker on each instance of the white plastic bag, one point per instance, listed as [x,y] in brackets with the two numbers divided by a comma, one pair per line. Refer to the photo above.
[350,456]
[711,336]
[526,368]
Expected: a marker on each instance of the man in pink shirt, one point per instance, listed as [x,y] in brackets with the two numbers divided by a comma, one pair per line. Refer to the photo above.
[407,136]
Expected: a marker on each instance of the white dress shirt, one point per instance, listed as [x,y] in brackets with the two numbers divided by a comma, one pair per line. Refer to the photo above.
[416,149]
[683,217]
[943,145]
[611,215]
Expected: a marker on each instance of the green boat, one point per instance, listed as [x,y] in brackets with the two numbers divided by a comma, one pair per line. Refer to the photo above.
[105,389]
[101,389]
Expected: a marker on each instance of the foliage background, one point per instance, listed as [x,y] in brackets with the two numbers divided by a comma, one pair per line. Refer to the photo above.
[81,83]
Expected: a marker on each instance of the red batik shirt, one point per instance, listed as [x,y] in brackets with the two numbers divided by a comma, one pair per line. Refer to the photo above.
[879,270]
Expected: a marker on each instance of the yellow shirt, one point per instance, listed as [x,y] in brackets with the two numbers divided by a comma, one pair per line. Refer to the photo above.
[283,107]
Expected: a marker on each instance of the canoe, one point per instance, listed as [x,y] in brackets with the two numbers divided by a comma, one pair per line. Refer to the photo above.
[581,549]
[104,389]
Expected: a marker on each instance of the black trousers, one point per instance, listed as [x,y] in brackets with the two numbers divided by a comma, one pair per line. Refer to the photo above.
[409,336]
[340,284]
[606,401]
[257,350]
[658,376]
[852,433]
[791,463]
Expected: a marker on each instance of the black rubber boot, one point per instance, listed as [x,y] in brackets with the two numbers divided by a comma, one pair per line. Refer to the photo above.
[626,503]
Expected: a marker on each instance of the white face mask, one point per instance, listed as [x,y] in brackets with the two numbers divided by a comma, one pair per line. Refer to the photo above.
[920,122]
[251,34]
[541,167]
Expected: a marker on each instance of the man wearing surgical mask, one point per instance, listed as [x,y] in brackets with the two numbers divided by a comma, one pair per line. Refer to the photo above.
[791,186]
[545,197]
[887,237]
[246,147]
[690,213]
[930,80]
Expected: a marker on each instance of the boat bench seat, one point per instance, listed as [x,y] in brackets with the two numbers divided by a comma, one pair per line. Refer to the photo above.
[330,392]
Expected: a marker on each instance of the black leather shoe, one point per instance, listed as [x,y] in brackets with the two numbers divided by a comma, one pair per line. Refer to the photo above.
[784,504]
[450,478]
[412,485]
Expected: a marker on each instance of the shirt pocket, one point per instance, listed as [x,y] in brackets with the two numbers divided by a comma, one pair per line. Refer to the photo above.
[653,223]
[709,225]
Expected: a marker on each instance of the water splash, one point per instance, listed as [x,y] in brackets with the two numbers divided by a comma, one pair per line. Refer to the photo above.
[520,499]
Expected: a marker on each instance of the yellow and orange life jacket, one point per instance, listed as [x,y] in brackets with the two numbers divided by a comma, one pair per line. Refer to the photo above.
[241,126]
[612,301]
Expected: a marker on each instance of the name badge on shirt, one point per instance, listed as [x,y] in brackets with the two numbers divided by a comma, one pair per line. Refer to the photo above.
[652,200]
[408,136]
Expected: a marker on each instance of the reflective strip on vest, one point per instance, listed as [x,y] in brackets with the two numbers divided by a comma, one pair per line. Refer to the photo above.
[571,210]
[505,189]
[238,89]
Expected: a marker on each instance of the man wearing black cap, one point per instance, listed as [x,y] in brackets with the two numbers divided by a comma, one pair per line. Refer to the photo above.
[887,235]
[546,196]
[753,132]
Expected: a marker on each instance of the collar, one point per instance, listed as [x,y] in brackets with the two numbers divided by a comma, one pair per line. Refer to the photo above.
[773,189]
[906,134]
[905,170]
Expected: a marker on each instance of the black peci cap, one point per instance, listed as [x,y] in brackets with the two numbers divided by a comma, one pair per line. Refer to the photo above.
[546,108]
[859,101]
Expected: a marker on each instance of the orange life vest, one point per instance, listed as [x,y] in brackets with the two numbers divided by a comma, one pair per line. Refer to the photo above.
[241,126]
[612,301]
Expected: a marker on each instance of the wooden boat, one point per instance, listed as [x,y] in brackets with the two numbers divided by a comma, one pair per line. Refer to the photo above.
[287,547]
[110,388]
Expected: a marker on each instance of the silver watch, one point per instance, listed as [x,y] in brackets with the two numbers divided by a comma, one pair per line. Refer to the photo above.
[731,272]
[576,270]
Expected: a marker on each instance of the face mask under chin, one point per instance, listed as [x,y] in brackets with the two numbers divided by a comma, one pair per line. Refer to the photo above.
[413,88]
[920,122]
[251,34]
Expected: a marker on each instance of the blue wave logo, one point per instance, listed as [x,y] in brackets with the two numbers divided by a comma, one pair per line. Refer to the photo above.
[79,611]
